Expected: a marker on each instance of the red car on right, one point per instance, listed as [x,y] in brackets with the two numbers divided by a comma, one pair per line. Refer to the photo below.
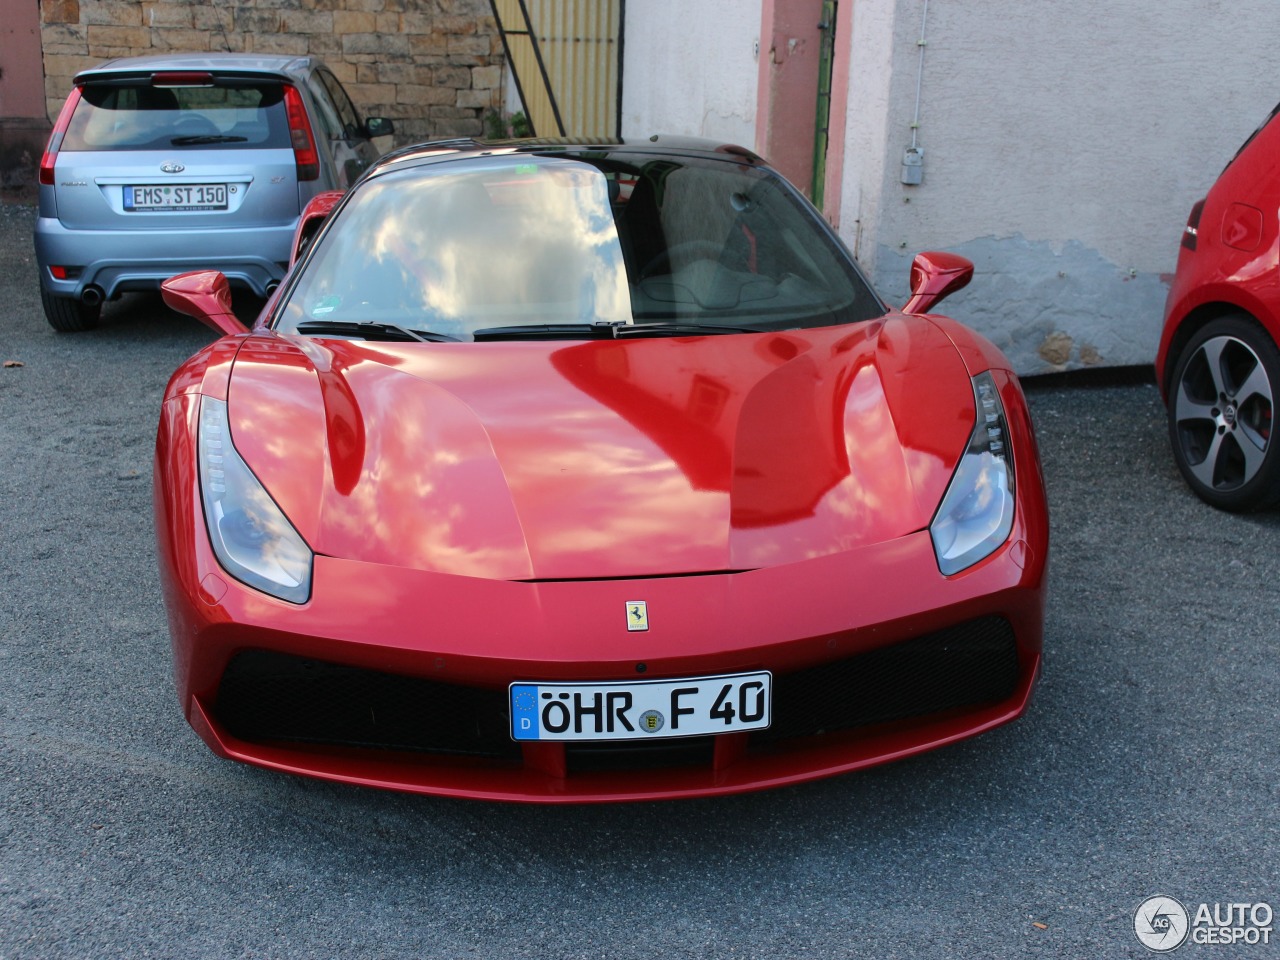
[1218,366]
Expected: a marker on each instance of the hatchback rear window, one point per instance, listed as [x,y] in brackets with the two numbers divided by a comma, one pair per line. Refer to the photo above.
[145,117]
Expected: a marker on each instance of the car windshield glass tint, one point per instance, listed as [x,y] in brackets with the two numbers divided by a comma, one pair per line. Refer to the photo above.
[143,117]
[520,241]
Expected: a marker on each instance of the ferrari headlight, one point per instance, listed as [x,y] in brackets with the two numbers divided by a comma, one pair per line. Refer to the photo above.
[251,537]
[976,514]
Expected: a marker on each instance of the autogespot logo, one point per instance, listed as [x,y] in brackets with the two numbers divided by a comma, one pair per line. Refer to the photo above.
[1161,924]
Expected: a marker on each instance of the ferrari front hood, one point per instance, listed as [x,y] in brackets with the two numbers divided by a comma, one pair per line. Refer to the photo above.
[605,459]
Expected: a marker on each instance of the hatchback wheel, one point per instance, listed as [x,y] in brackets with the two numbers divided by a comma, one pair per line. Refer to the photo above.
[67,315]
[1221,413]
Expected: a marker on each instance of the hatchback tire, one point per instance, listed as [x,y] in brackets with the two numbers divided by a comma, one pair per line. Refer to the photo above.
[1221,414]
[67,315]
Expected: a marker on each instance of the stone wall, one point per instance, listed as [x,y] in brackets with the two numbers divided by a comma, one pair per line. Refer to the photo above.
[433,66]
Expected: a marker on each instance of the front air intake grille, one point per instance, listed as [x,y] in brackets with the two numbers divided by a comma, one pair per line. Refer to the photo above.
[966,665]
[640,754]
[268,697]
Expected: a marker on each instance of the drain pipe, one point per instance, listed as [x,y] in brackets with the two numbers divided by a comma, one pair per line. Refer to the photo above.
[913,159]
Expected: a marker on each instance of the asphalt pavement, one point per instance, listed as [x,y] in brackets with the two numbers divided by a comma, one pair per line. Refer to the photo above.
[1147,763]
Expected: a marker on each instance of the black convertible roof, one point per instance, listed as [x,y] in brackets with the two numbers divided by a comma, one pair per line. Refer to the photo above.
[438,151]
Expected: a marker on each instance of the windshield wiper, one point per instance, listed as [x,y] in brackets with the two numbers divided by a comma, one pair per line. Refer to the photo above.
[545,331]
[370,330]
[205,138]
[604,331]
[677,328]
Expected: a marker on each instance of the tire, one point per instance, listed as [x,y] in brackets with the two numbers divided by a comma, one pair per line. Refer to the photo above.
[67,315]
[1221,414]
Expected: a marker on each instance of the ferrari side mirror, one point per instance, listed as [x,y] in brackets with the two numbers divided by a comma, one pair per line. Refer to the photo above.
[313,217]
[935,275]
[205,295]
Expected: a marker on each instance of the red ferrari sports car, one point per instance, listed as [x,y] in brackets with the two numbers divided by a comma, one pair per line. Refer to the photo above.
[1218,364]
[592,472]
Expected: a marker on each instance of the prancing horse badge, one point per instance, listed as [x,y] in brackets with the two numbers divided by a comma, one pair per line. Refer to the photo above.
[637,615]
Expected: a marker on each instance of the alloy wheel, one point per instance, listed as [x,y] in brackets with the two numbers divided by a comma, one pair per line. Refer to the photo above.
[1223,413]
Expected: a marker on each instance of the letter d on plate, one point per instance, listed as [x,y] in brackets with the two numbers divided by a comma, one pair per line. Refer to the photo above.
[524,712]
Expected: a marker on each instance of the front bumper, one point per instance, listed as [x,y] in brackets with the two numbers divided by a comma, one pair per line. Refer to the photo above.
[428,634]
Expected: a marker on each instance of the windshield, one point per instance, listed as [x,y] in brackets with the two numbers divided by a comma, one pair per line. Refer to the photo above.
[515,242]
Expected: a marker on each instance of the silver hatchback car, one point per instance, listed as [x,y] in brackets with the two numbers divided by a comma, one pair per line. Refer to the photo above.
[159,165]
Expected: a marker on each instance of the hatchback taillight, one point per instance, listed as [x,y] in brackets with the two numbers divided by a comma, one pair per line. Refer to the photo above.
[55,139]
[1192,231]
[304,146]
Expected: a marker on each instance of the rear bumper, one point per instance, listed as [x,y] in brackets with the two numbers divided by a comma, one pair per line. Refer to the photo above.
[119,261]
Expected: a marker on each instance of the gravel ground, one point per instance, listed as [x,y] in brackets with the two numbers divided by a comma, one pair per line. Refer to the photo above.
[1146,765]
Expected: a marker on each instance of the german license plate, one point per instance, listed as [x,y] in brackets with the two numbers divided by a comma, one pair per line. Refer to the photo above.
[187,196]
[640,710]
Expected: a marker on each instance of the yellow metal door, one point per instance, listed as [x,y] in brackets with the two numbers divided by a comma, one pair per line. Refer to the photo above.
[566,58]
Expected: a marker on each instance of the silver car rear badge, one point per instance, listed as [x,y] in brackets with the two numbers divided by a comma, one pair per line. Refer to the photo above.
[171,167]
[637,615]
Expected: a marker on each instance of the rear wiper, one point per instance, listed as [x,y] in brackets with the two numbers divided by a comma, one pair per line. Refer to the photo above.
[206,138]
[604,331]
[372,331]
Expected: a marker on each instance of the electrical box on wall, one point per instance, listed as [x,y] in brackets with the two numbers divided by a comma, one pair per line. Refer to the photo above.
[913,166]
